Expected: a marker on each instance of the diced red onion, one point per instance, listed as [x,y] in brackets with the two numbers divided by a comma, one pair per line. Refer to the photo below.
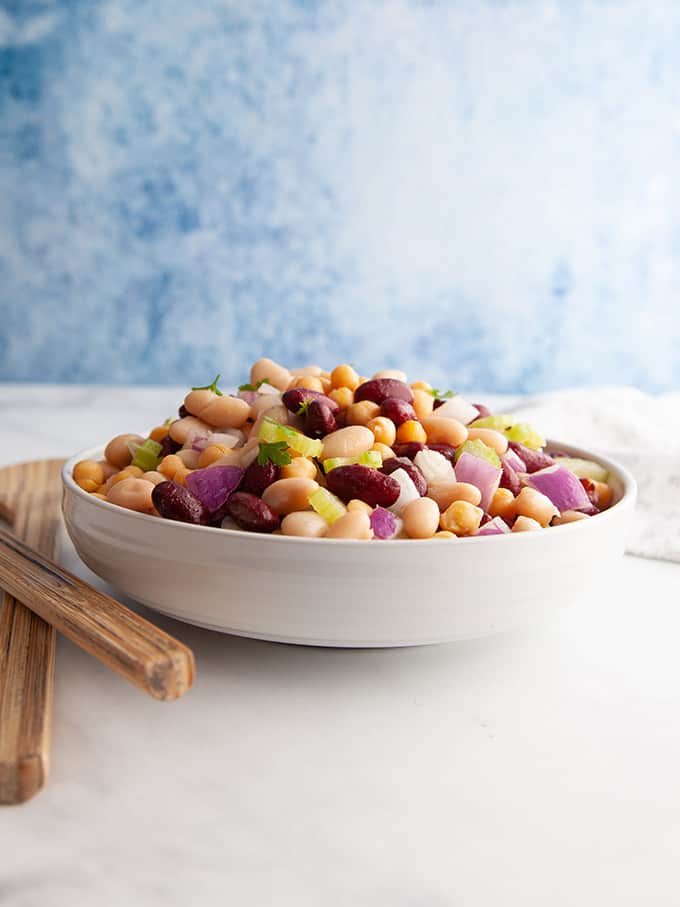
[458,408]
[384,524]
[249,396]
[514,461]
[198,441]
[408,492]
[561,486]
[533,459]
[213,485]
[481,473]
[496,526]
[434,466]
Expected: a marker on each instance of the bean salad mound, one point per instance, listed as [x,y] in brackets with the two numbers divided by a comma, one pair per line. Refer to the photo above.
[316,454]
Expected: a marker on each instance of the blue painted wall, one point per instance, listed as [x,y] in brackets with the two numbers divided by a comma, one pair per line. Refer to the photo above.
[484,192]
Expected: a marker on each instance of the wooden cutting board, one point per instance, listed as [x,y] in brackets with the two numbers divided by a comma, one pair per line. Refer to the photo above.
[30,501]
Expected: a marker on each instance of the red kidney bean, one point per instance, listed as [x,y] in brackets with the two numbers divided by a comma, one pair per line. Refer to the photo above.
[175,502]
[250,512]
[399,411]
[168,446]
[533,459]
[182,412]
[378,389]
[484,411]
[365,483]
[408,449]
[509,478]
[437,403]
[296,396]
[319,420]
[416,476]
[446,450]
[257,477]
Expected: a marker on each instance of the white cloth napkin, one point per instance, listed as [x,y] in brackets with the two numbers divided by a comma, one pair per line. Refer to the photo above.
[639,430]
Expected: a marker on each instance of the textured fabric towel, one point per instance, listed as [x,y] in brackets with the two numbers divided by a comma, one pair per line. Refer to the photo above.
[639,430]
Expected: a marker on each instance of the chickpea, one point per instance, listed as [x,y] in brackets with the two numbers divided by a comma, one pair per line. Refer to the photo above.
[287,495]
[357,506]
[531,503]
[345,376]
[326,383]
[490,437]
[503,504]
[423,403]
[170,465]
[461,518]
[117,451]
[343,396]
[159,433]
[347,442]
[411,431]
[362,413]
[441,430]
[271,372]
[421,386]
[299,468]
[421,518]
[134,494]
[107,468]
[354,525]
[88,475]
[384,430]
[304,523]
[525,524]
[130,472]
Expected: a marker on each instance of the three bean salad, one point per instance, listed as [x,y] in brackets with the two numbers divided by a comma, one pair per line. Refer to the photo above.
[317,454]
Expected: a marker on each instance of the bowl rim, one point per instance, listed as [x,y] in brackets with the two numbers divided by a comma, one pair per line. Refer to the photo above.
[626,501]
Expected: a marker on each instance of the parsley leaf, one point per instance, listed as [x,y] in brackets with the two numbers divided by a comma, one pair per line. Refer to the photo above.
[442,395]
[304,406]
[276,453]
[253,387]
[210,387]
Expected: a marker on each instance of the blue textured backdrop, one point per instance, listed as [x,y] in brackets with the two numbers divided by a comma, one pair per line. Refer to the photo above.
[486,192]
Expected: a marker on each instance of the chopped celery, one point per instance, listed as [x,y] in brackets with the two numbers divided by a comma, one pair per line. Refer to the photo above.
[368,458]
[479,449]
[584,469]
[526,434]
[146,456]
[499,423]
[327,505]
[271,431]
[521,432]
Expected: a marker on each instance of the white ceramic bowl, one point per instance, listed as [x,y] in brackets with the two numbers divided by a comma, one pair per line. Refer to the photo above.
[344,592]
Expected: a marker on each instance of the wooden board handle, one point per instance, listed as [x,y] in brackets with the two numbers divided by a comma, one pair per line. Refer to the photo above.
[147,656]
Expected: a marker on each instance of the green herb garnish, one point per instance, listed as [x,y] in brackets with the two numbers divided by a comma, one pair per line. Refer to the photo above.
[275,452]
[253,387]
[304,406]
[211,387]
[442,395]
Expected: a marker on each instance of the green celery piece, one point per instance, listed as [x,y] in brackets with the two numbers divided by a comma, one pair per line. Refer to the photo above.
[146,456]
[584,469]
[271,431]
[334,462]
[372,458]
[327,505]
[526,434]
[479,449]
[501,422]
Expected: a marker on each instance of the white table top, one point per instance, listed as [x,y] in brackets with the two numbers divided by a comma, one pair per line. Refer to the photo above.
[535,768]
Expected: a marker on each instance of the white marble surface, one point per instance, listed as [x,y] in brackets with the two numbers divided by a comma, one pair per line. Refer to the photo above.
[535,768]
